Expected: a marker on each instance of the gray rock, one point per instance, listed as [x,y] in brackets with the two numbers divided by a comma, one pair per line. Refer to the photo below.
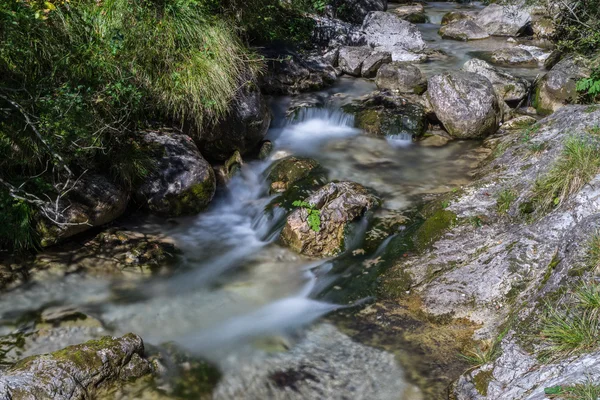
[242,129]
[508,87]
[466,104]
[182,182]
[92,201]
[291,73]
[339,204]
[373,62]
[76,371]
[351,59]
[538,53]
[401,55]
[513,56]
[505,20]
[401,77]
[517,375]
[388,32]
[464,29]
[558,86]
[354,371]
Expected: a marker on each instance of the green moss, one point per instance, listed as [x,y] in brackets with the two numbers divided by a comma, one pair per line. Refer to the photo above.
[418,18]
[289,171]
[482,381]
[553,264]
[433,228]
[193,200]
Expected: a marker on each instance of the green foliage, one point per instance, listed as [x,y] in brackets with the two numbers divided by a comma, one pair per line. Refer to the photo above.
[80,79]
[578,164]
[580,391]
[313,218]
[505,199]
[15,224]
[593,252]
[590,87]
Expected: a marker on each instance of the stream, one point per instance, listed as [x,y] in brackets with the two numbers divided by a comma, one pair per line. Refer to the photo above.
[236,288]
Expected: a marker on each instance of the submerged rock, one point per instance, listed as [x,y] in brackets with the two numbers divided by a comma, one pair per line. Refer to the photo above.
[92,201]
[463,29]
[288,171]
[454,16]
[558,86]
[339,203]
[388,32]
[382,114]
[242,129]
[76,372]
[501,20]
[354,371]
[513,56]
[466,104]
[182,182]
[401,77]
[508,87]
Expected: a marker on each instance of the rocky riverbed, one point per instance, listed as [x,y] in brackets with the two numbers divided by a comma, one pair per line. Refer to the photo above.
[380,218]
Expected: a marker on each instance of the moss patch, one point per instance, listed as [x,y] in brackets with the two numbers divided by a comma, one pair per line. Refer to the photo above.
[482,381]
[434,228]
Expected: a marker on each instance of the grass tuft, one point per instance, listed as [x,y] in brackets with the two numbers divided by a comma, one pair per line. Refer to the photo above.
[505,200]
[578,164]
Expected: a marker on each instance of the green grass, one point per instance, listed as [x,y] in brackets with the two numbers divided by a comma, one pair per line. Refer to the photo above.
[574,327]
[483,353]
[580,391]
[577,165]
[505,200]
[593,252]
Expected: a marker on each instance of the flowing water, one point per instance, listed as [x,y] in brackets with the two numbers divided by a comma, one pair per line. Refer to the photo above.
[235,284]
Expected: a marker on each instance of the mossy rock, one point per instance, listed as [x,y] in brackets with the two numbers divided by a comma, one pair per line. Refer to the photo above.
[288,171]
[389,117]
[433,228]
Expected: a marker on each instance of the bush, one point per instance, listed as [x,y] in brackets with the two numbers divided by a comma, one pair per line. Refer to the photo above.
[79,79]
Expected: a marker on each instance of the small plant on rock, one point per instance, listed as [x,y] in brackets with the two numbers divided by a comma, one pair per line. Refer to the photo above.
[313,218]
[505,200]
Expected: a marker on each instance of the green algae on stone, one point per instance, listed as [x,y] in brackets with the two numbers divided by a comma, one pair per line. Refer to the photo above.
[288,171]
[433,228]
[191,201]
[482,381]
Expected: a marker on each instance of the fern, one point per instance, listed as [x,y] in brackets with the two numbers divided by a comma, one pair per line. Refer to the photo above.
[313,218]
[590,87]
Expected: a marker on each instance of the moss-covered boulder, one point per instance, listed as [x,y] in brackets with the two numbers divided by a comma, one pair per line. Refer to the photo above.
[288,171]
[382,114]
[182,181]
[338,204]
[76,372]
[558,86]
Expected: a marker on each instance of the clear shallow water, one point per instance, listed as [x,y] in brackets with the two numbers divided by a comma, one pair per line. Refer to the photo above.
[235,283]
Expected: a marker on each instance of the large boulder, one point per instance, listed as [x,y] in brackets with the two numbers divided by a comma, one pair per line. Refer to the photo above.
[76,372]
[91,201]
[242,129]
[182,182]
[463,29]
[339,203]
[356,10]
[466,104]
[508,87]
[414,13]
[401,77]
[513,56]
[290,73]
[350,59]
[558,86]
[500,20]
[389,32]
